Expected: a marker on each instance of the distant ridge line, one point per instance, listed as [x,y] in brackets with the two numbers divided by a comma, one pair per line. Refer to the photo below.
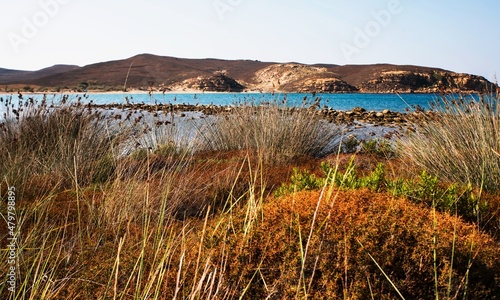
[166,73]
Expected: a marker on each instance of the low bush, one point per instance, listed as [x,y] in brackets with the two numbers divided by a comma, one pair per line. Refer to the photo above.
[426,189]
[356,245]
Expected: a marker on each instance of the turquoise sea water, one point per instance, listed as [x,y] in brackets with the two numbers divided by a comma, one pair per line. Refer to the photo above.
[375,102]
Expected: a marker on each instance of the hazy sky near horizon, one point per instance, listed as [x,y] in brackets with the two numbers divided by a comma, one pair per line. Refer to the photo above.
[461,36]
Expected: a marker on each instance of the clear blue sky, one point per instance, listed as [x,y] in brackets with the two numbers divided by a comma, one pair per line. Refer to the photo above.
[462,36]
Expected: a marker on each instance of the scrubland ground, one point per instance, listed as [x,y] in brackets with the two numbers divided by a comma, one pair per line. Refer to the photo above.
[262,203]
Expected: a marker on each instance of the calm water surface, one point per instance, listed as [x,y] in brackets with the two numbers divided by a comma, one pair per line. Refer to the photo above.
[370,102]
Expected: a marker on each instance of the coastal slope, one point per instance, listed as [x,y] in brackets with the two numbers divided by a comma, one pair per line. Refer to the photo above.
[163,73]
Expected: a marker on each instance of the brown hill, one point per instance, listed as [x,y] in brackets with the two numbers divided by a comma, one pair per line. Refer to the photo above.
[15,76]
[148,72]
[143,71]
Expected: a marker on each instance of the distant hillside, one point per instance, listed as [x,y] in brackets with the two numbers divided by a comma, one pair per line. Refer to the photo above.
[14,76]
[151,72]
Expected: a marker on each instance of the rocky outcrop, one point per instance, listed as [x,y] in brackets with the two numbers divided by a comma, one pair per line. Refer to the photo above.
[467,82]
[327,85]
[314,79]
[425,82]
[215,83]
[299,78]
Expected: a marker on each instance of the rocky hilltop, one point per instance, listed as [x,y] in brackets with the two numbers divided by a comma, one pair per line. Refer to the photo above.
[217,82]
[427,82]
[299,78]
[162,73]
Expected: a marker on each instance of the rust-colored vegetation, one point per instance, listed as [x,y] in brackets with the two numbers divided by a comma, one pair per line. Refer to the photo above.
[106,218]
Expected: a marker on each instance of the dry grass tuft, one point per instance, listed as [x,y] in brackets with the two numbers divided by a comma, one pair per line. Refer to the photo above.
[459,143]
[70,144]
[272,131]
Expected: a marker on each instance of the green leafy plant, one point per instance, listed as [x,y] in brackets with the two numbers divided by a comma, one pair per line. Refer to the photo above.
[379,147]
[349,179]
[376,180]
[429,190]
[426,189]
[301,180]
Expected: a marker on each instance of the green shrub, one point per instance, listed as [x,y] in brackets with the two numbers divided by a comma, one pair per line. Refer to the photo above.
[379,147]
[349,179]
[301,180]
[376,180]
[427,189]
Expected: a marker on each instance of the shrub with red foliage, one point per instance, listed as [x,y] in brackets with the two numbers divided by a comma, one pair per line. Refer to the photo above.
[348,228]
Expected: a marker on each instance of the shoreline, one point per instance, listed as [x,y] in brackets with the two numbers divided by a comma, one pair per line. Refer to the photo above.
[381,117]
[192,91]
[347,117]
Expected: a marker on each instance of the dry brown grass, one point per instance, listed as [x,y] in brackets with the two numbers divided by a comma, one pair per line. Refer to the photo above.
[70,144]
[459,142]
[272,131]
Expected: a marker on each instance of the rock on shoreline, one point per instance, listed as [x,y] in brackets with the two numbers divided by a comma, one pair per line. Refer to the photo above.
[358,114]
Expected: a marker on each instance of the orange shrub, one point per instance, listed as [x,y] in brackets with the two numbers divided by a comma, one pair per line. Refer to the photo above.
[396,233]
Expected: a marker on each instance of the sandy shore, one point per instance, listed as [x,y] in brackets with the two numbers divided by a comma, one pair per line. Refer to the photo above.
[132,92]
